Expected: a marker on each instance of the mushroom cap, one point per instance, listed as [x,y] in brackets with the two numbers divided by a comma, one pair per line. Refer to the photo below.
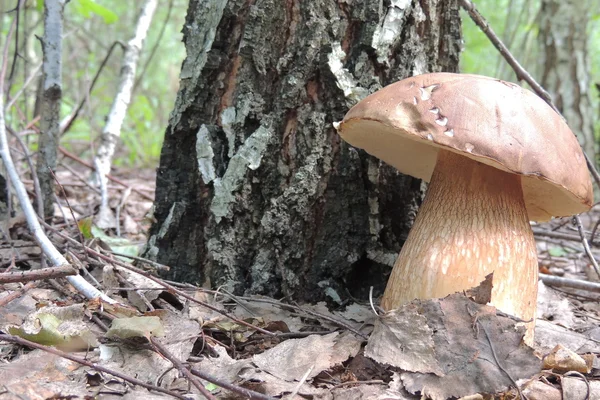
[491,121]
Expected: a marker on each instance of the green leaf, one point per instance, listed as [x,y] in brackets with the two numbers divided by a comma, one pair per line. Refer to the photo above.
[211,387]
[117,244]
[39,5]
[126,328]
[56,326]
[85,226]
[557,252]
[88,7]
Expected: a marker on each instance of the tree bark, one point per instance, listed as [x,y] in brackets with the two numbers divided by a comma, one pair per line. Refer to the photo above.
[112,130]
[255,190]
[51,100]
[566,67]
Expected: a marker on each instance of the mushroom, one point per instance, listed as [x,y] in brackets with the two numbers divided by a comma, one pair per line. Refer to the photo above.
[496,156]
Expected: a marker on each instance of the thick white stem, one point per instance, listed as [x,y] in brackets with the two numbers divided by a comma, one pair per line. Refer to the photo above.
[473,222]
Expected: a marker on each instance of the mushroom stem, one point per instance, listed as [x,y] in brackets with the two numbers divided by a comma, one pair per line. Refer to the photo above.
[472,222]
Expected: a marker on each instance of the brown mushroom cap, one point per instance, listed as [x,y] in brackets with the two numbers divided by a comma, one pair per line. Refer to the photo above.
[491,121]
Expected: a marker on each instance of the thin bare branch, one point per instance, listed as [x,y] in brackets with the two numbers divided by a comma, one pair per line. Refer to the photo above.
[130,379]
[586,246]
[47,247]
[37,274]
[521,72]
[552,280]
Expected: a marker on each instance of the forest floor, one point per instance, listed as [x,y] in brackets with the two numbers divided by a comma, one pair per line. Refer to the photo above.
[165,339]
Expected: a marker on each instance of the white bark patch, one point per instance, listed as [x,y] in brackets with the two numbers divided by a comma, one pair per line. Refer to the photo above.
[249,155]
[213,12]
[205,155]
[118,111]
[420,65]
[382,257]
[164,228]
[389,30]
[343,78]
[227,120]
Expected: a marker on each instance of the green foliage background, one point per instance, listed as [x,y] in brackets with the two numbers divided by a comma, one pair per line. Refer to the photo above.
[516,23]
[92,26]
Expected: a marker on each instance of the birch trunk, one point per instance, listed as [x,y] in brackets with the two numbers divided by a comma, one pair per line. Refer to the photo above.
[566,67]
[255,190]
[112,129]
[51,100]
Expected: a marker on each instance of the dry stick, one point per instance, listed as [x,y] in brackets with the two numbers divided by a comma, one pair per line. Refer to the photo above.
[66,125]
[157,280]
[30,79]
[62,189]
[349,383]
[586,246]
[16,294]
[104,207]
[247,393]
[15,24]
[110,177]
[42,240]
[162,350]
[560,235]
[585,380]
[27,343]
[37,275]
[122,203]
[552,280]
[36,182]
[84,182]
[301,382]
[310,312]
[596,225]
[159,267]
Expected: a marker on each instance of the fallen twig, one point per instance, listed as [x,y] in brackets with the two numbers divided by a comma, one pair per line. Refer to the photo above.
[37,274]
[110,177]
[334,321]
[42,240]
[165,285]
[552,280]
[16,294]
[586,246]
[52,350]
[561,235]
[162,350]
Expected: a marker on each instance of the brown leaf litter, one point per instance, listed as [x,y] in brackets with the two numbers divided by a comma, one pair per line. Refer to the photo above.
[169,340]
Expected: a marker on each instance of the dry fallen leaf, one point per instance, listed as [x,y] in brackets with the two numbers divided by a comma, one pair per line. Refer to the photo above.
[561,359]
[576,388]
[62,327]
[452,347]
[292,359]
[537,390]
[133,327]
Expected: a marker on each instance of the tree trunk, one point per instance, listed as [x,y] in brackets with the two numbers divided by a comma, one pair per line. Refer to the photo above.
[255,190]
[566,67]
[51,100]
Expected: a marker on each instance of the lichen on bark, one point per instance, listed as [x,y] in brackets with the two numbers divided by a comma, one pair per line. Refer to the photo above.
[269,200]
